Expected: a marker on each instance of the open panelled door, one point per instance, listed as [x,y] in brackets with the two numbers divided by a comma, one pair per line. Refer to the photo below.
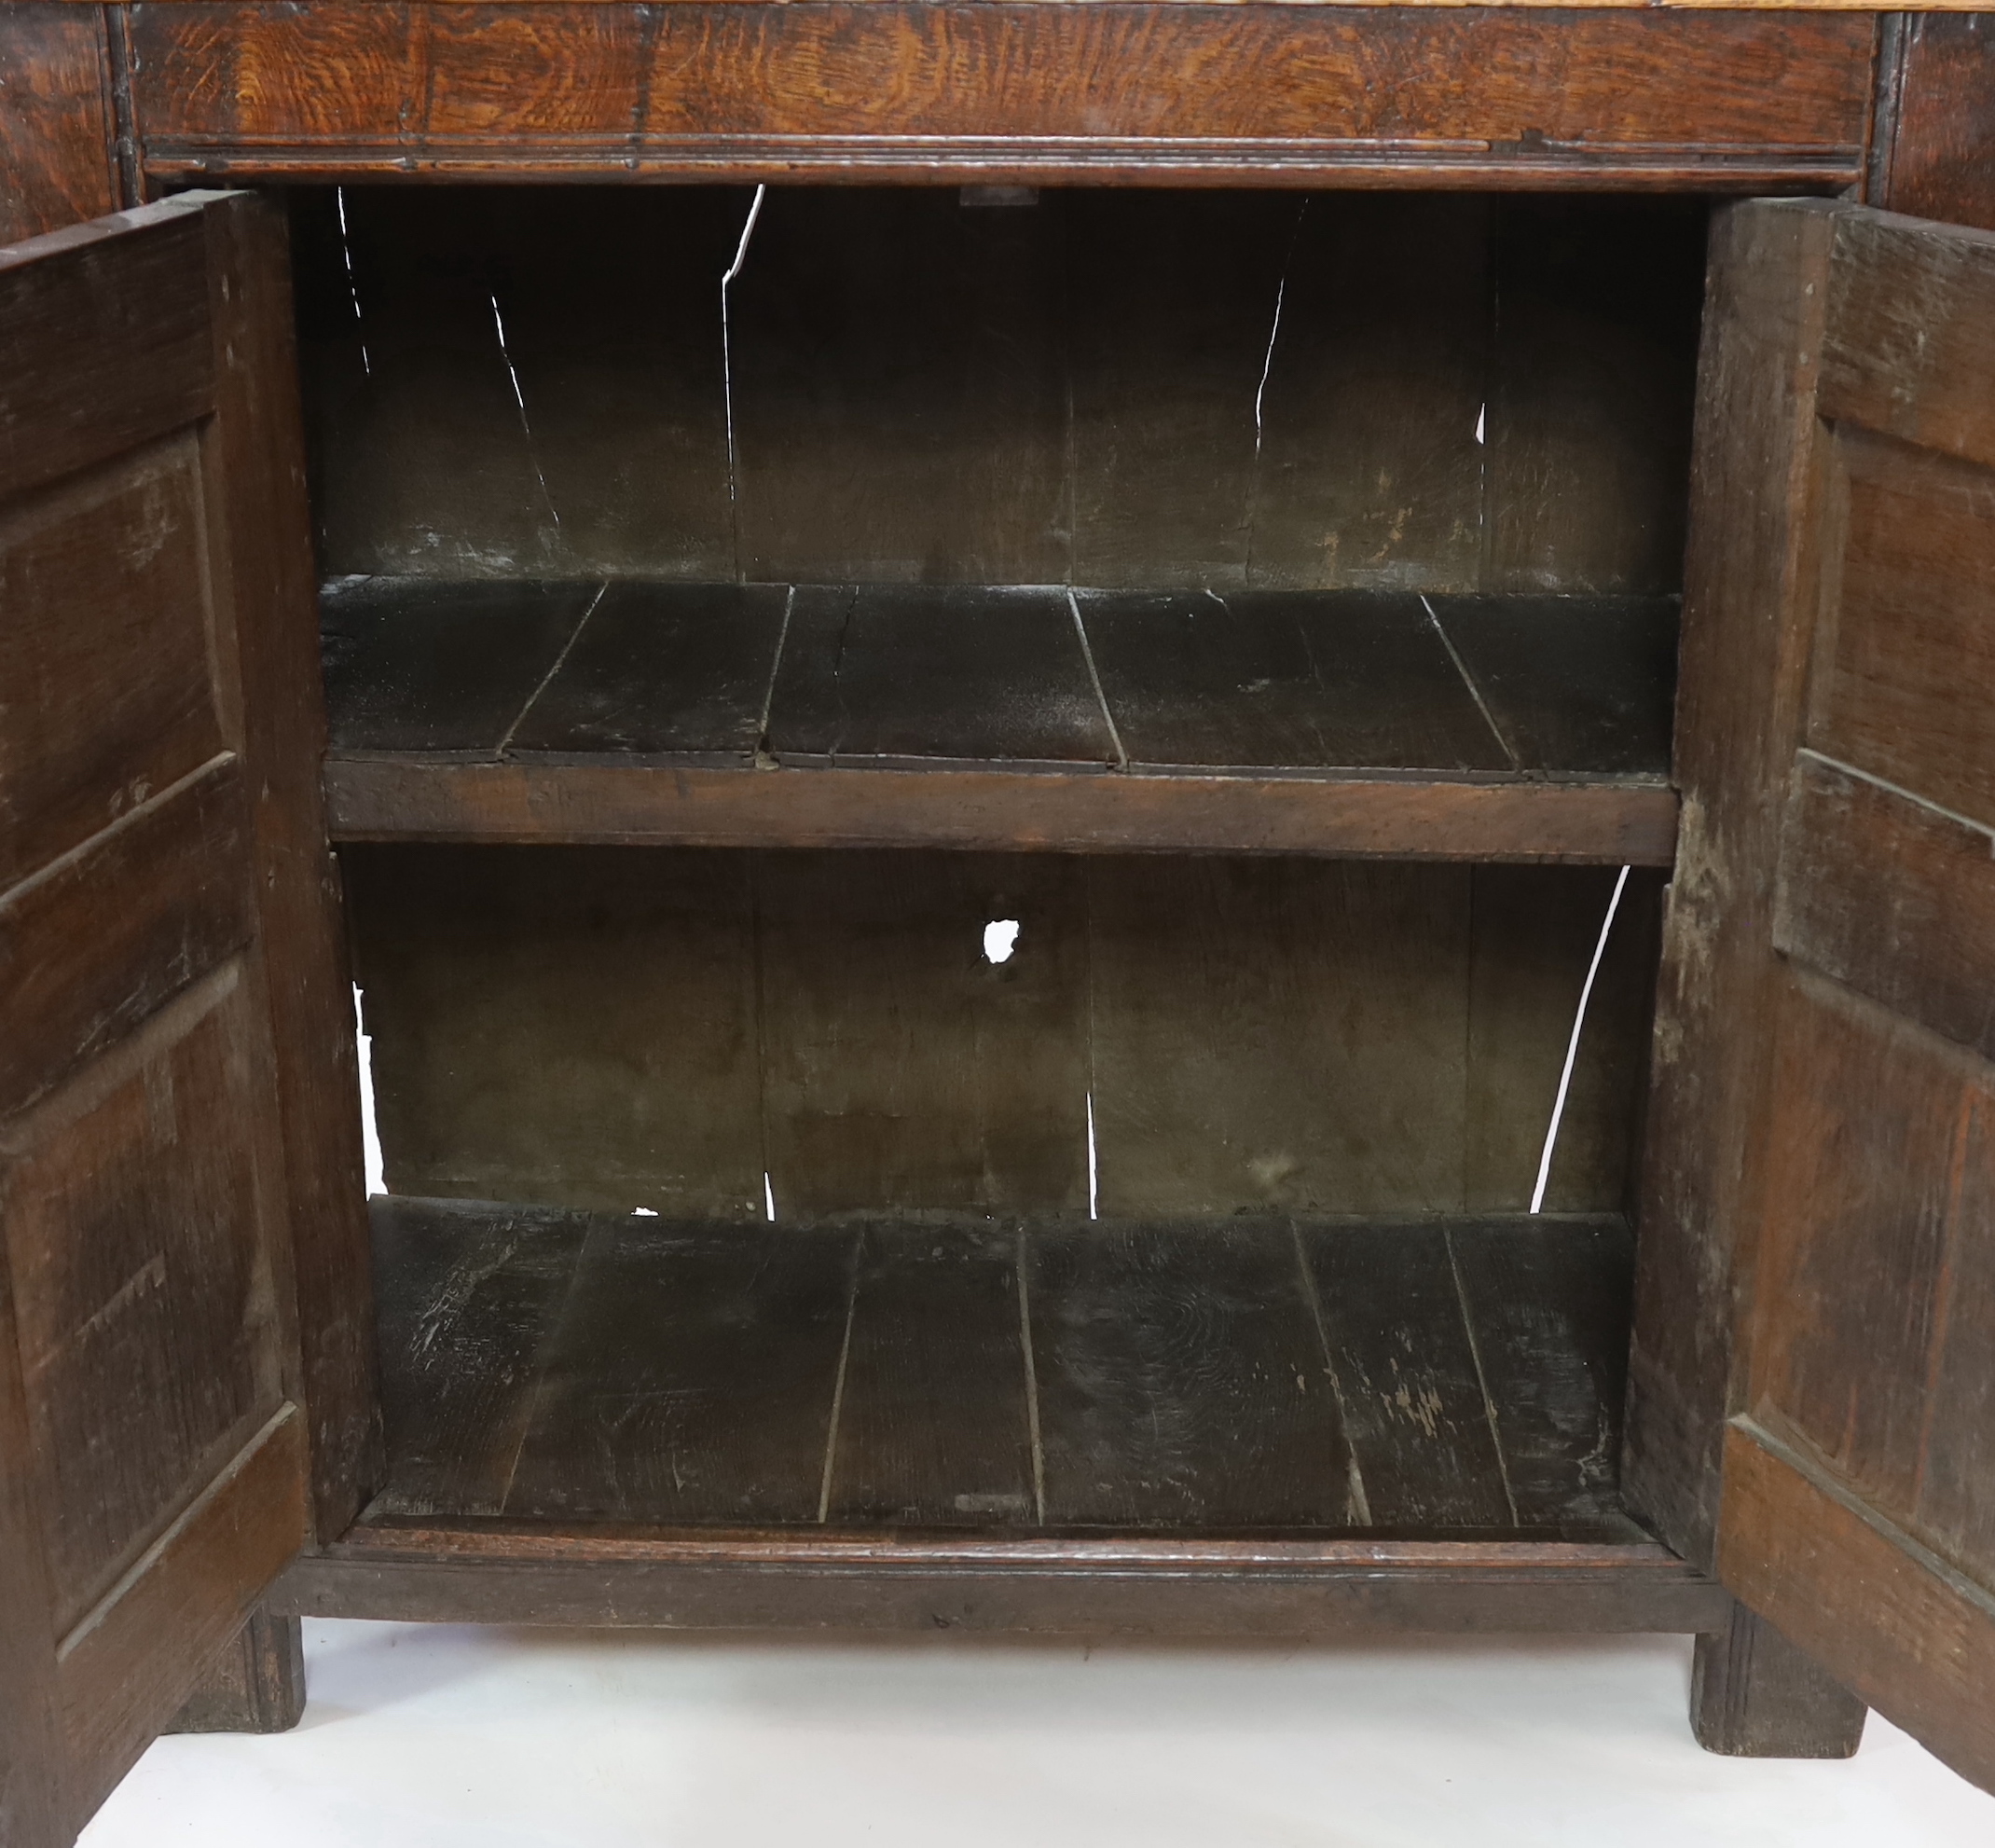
[179,1160]
[1858,1488]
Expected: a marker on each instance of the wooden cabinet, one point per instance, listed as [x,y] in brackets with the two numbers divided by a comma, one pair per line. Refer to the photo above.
[971,853]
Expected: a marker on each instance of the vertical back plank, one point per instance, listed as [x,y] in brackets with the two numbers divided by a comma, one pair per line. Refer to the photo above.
[901,1069]
[1278,1033]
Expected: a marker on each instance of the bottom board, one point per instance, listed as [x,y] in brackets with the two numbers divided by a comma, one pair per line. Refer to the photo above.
[1250,1375]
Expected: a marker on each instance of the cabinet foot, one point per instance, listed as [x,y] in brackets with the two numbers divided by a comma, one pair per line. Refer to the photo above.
[1754,1695]
[255,1684]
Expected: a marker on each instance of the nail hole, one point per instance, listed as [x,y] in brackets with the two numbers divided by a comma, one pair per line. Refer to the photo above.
[643,1212]
[1000,938]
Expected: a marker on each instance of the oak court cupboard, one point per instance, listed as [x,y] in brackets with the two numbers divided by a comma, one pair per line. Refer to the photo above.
[971,689]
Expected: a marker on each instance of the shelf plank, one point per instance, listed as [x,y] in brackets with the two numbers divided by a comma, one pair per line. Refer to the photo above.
[692,1377]
[677,670]
[1421,818]
[1549,1302]
[1342,724]
[935,1322]
[1180,1381]
[1285,681]
[933,675]
[927,1372]
[1578,686]
[439,669]
[466,1299]
[1403,1366]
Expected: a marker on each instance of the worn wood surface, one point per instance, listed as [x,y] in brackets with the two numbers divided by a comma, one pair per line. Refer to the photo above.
[1180,1381]
[615,1030]
[255,1684]
[1447,392]
[1738,705]
[1284,680]
[159,1155]
[1408,717]
[1754,1695]
[656,670]
[1573,686]
[563,1028]
[936,1319]
[912,1372]
[446,669]
[692,1377]
[1592,98]
[1104,1586]
[58,133]
[1401,1361]
[1856,1512]
[1903,1631]
[900,1067]
[467,1300]
[1351,817]
[1546,1305]
[1940,158]
[892,676]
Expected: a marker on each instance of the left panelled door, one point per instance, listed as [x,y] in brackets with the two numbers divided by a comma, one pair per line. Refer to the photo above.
[155,1456]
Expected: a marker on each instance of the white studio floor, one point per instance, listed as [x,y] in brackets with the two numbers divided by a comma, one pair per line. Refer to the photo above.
[448,1737]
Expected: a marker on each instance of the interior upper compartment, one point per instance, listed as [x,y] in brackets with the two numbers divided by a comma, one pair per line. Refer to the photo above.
[1287,484]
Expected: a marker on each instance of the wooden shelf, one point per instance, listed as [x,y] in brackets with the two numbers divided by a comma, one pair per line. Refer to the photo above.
[1235,1427]
[1418,1380]
[1280,721]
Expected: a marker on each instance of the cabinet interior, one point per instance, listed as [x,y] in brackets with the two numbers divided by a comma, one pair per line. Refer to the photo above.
[773,1175]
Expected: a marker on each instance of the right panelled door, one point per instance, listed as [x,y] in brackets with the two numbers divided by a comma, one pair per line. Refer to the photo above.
[1857,1506]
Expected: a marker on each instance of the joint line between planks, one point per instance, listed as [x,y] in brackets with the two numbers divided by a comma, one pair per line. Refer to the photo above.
[561,661]
[1483,1378]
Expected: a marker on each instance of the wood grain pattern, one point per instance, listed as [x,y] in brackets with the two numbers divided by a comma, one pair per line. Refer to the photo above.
[259,534]
[1181,1378]
[468,1298]
[1891,895]
[936,1323]
[106,326]
[1592,98]
[446,668]
[568,1029]
[901,1068]
[1942,150]
[116,1684]
[115,930]
[692,1376]
[102,714]
[1285,680]
[684,671]
[1574,686]
[1906,1634]
[1117,1586]
[1908,350]
[1903,660]
[139,1281]
[1546,1300]
[1281,1034]
[1754,1695]
[255,1684]
[1402,1363]
[57,165]
[897,675]
[1741,687]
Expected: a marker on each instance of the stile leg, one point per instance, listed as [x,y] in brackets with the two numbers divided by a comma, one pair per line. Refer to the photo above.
[1754,1695]
[255,1684]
